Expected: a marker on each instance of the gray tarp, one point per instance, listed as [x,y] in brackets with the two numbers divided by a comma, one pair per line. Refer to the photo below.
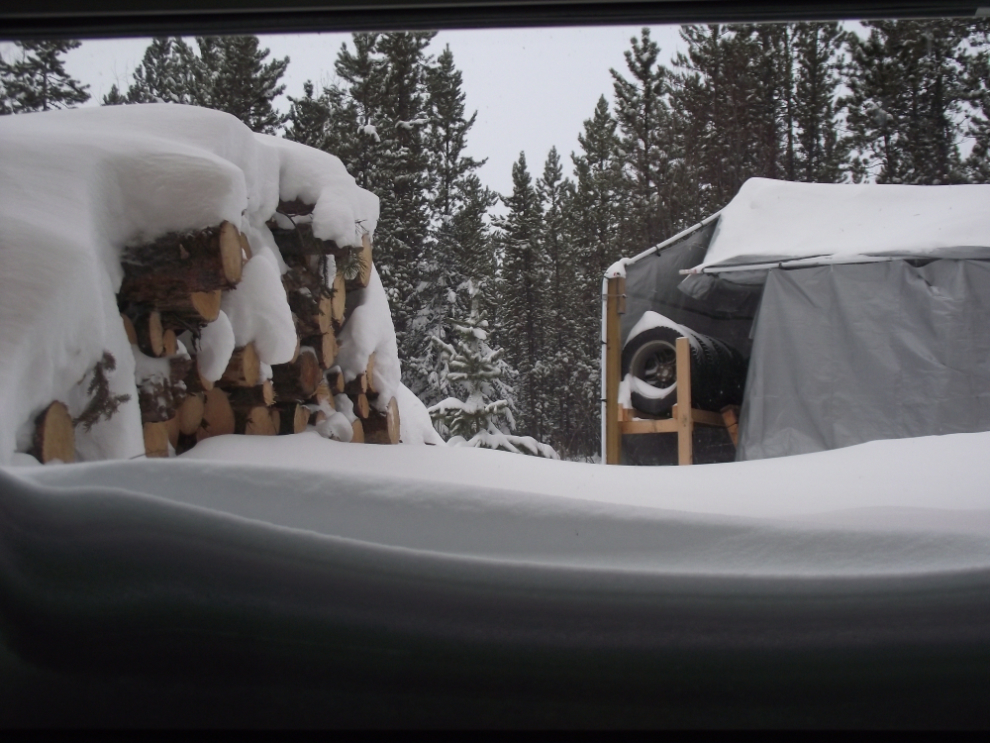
[846,354]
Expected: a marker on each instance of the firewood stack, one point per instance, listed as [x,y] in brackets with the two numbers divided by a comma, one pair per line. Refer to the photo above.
[176,283]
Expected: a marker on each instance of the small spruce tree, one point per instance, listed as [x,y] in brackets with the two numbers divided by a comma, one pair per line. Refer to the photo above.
[484,418]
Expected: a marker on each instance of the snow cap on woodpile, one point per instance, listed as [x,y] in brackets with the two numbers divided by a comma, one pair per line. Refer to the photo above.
[79,186]
[343,212]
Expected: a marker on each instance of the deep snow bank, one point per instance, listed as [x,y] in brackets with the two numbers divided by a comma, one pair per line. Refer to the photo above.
[78,186]
[883,508]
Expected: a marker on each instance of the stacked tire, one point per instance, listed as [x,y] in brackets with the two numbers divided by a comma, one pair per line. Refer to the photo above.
[718,371]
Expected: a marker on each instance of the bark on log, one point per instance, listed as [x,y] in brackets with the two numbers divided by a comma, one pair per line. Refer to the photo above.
[159,398]
[175,265]
[150,333]
[301,242]
[294,208]
[298,380]
[293,418]
[370,374]
[362,408]
[190,414]
[129,329]
[195,383]
[54,435]
[357,386]
[335,381]
[170,343]
[218,416]
[251,397]
[338,303]
[192,310]
[361,276]
[172,427]
[383,428]
[243,369]
[323,395]
[155,440]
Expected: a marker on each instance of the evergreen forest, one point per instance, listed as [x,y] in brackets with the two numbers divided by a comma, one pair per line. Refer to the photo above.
[497,311]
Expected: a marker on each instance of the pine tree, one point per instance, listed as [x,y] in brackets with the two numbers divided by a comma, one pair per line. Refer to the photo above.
[978,83]
[159,77]
[231,75]
[821,151]
[594,221]
[38,80]
[521,308]
[644,122]
[906,94]
[478,373]
[309,118]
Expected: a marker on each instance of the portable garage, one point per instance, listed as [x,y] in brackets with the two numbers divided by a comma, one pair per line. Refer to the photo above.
[863,312]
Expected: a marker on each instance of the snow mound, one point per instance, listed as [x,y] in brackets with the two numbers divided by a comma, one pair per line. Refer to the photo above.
[770,221]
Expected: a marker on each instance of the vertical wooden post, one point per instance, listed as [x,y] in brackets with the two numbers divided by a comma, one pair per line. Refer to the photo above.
[685,421]
[614,306]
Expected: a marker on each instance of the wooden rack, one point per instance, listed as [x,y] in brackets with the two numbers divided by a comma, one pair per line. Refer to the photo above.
[620,420]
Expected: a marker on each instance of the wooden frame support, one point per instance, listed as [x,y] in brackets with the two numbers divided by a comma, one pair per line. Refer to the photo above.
[615,305]
[683,417]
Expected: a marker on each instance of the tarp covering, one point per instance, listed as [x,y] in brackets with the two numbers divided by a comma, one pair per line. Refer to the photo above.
[846,354]
[771,221]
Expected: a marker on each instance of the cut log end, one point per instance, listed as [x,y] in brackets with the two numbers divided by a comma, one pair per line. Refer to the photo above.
[362,408]
[218,416]
[243,369]
[206,304]
[258,421]
[129,329]
[357,428]
[383,427]
[230,252]
[191,414]
[298,380]
[156,440]
[54,435]
[339,300]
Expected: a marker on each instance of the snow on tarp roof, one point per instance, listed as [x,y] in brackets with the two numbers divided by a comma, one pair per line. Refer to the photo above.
[772,221]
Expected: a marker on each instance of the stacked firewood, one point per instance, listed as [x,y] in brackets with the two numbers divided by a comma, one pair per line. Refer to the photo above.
[173,288]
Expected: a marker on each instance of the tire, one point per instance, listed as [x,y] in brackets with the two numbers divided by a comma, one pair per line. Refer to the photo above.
[718,371]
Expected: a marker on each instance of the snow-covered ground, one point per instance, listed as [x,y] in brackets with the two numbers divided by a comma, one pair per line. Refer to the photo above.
[888,507]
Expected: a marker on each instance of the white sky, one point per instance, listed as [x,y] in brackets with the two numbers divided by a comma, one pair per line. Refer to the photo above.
[532,88]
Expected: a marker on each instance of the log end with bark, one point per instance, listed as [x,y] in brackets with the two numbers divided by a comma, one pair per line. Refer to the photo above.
[54,435]
[383,427]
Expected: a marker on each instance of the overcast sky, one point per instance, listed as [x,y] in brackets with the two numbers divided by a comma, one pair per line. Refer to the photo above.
[532,88]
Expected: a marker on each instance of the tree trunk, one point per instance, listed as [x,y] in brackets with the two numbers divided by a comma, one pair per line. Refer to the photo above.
[383,428]
[54,435]
[177,264]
